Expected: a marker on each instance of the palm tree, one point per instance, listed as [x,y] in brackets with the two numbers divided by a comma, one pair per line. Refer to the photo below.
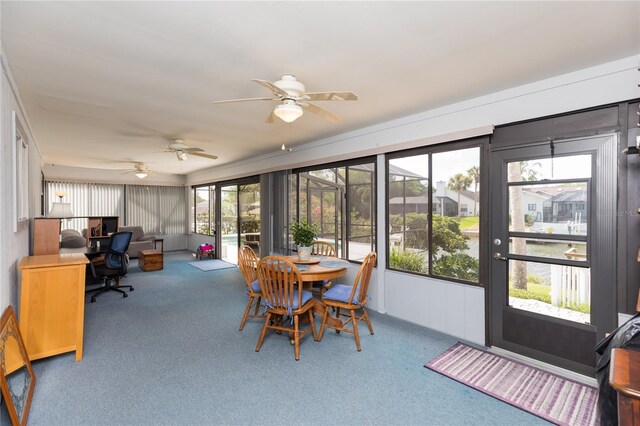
[474,173]
[459,182]
[516,209]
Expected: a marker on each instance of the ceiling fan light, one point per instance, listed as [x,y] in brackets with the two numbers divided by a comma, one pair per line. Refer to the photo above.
[181,155]
[141,175]
[288,112]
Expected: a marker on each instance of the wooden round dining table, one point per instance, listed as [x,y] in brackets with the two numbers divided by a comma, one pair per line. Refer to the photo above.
[316,272]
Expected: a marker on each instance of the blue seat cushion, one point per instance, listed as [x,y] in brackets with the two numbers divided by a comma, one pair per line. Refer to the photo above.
[340,293]
[320,283]
[306,296]
[255,286]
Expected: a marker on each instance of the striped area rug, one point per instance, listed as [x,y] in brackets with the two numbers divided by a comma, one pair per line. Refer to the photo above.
[553,398]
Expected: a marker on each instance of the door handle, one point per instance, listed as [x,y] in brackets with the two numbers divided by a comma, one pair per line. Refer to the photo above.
[498,256]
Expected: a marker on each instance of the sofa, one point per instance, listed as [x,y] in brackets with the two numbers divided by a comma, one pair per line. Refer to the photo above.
[70,238]
[139,241]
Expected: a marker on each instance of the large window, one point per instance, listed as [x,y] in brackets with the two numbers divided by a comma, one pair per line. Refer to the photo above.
[204,217]
[434,211]
[340,200]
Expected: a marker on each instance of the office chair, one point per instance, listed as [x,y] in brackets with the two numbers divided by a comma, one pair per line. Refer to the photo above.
[112,266]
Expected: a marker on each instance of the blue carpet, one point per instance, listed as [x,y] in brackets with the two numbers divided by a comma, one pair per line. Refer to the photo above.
[171,354]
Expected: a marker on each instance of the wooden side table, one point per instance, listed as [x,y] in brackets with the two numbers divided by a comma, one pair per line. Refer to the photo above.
[150,260]
[624,377]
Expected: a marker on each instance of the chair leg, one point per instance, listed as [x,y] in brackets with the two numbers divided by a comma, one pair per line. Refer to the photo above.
[263,332]
[322,324]
[313,325]
[338,317]
[246,313]
[257,306]
[366,318]
[355,328]
[296,338]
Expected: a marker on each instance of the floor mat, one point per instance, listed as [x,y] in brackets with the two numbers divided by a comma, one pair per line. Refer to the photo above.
[212,265]
[546,395]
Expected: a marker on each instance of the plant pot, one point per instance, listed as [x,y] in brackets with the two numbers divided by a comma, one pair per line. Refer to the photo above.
[304,253]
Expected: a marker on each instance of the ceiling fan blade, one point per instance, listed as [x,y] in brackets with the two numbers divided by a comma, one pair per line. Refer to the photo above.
[243,100]
[201,154]
[322,112]
[191,150]
[331,96]
[270,118]
[275,89]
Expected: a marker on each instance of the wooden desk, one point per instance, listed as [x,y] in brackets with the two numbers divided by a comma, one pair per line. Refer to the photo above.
[52,304]
[624,376]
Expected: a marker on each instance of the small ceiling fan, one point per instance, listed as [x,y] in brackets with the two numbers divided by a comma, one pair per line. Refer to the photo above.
[182,150]
[141,170]
[293,98]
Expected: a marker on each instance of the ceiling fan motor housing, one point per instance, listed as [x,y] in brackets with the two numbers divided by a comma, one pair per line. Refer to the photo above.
[289,84]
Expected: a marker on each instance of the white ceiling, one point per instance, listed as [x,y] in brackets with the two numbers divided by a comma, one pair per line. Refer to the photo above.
[105,83]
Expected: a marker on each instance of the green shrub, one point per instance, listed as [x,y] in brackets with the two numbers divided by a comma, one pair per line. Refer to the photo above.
[407,261]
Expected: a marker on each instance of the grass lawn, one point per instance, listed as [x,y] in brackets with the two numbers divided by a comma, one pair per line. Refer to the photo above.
[469,222]
[542,293]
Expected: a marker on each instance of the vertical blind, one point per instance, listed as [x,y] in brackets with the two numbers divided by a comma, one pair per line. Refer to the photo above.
[158,209]
[88,199]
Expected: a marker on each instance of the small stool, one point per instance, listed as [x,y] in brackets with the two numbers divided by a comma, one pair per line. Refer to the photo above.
[150,260]
[201,253]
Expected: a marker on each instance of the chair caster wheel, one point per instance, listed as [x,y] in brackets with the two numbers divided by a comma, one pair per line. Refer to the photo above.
[131,289]
[125,295]
[337,331]
[93,299]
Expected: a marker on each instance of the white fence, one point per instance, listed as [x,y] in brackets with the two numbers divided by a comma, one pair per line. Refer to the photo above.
[570,286]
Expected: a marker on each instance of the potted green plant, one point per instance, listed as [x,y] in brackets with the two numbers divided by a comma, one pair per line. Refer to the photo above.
[303,234]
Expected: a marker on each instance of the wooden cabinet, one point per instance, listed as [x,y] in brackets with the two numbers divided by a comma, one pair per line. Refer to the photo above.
[46,236]
[52,304]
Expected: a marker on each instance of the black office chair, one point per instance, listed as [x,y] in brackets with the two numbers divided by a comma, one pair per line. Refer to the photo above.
[112,266]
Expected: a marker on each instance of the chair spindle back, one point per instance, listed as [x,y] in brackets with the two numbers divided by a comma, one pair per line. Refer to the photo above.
[248,262]
[361,283]
[279,279]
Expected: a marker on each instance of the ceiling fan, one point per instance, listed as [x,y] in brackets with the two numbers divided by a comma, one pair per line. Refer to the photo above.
[182,150]
[141,170]
[293,98]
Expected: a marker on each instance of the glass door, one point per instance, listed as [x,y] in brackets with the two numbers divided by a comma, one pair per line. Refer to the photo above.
[229,223]
[547,234]
[249,203]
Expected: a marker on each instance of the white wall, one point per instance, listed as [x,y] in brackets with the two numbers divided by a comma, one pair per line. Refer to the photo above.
[14,245]
[452,308]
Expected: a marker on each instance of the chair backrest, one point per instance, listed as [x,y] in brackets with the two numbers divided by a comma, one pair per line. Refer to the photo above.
[279,279]
[248,262]
[323,248]
[361,283]
[114,258]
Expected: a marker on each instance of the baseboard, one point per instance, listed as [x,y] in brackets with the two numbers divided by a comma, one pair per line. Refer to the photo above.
[568,374]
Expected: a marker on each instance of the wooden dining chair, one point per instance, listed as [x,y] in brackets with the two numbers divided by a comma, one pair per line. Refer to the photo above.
[350,298]
[323,248]
[248,262]
[281,285]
